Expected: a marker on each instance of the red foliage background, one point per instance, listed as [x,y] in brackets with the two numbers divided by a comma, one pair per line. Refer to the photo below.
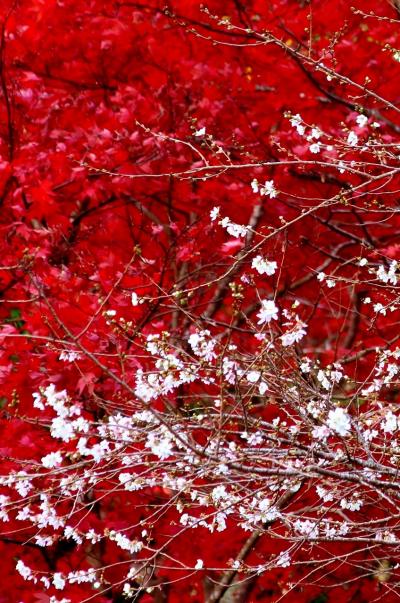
[86,84]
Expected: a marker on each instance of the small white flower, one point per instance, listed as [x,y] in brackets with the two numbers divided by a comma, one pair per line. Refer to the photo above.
[58,581]
[315,133]
[379,309]
[296,122]
[69,356]
[326,495]
[159,446]
[37,401]
[23,570]
[199,564]
[203,345]
[60,428]
[253,376]
[353,505]
[236,230]
[214,213]
[219,493]
[200,132]
[134,299]
[264,266]
[269,189]
[315,148]
[389,425]
[305,365]
[352,139]
[339,421]
[53,459]
[293,336]
[370,434]
[220,522]
[388,276]
[268,312]
[262,388]
[361,120]
[363,262]
[306,528]
[321,432]
[283,560]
